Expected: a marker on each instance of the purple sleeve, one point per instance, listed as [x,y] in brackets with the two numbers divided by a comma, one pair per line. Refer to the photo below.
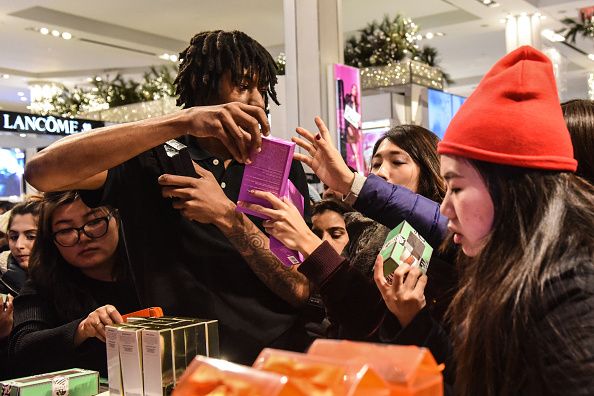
[390,204]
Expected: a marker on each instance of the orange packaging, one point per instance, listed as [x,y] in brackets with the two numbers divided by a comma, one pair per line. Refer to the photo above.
[409,370]
[215,377]
[320,376]
[152,312]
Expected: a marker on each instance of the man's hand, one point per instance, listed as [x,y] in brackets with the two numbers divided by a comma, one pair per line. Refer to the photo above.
[238,126]
[94,324]
[198,199]
[324,159]
[286,223]
[6,309]
[403,297]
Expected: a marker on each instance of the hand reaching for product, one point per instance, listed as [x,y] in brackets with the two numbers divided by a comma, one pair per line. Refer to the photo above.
[405,296]
[286,223]
[6,308]
[94,324]
[324,159]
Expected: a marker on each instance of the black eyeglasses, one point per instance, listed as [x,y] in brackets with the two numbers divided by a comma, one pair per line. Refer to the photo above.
[94,229]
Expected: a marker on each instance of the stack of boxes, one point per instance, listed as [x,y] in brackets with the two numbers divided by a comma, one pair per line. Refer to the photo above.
[147,356]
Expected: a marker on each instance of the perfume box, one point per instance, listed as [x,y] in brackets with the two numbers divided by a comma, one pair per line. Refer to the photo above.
[269,171]
[404,245]
[157,360]
[72,382]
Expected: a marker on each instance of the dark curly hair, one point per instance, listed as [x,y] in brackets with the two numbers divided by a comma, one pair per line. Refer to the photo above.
[213,53]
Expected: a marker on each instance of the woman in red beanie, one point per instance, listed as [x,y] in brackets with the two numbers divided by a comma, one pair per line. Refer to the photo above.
[524,315]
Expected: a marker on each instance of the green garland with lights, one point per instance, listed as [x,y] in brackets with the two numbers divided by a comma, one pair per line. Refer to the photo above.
[391,40]
[583,27]
[108,92]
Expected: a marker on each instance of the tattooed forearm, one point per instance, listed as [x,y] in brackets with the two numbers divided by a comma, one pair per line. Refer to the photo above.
[254,246]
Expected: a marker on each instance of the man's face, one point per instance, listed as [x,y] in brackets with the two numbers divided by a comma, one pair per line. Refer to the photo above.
[248,91]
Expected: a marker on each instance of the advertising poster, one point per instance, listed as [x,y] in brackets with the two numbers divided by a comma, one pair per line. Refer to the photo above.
[348,117]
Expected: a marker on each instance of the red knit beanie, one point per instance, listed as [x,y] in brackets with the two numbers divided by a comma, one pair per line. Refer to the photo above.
[513,117]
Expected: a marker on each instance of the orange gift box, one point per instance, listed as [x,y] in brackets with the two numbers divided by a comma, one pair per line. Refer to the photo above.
[321,376]
[215,377]
[409,370]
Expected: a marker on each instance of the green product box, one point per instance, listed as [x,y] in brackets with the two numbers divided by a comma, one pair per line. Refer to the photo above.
[404,245]
[73,382]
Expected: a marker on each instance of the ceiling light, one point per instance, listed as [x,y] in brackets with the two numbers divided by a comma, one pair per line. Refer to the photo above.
[552,36]
[44,31]
[98,78]
[164,56]
[429,36]
[20,93]
[489,3]
[591,57]
[440,34]
[5,76]
[22,134]
[55,33]
[66,36]
[173,58]
[24,99]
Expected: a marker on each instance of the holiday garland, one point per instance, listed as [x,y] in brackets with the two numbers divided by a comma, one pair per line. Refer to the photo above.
[107,92]
[391,40]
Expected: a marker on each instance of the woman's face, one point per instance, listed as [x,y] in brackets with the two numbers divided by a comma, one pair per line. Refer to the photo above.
[394,165]
[88,254]
[467,204]
[330,226]
[21,236]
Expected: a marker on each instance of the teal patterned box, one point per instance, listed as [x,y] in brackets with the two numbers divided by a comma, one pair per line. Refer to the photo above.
[73,382]
[404,245]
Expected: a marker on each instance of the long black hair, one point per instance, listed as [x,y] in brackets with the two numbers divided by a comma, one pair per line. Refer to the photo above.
[213,53]
[543,229]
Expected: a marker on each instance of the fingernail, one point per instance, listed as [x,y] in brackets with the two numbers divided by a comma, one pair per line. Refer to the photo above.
[318,136]
[259,149]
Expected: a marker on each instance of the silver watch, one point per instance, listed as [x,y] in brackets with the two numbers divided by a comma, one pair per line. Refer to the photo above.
[356,187]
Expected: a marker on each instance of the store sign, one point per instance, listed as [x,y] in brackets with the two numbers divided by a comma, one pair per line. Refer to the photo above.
[47,125]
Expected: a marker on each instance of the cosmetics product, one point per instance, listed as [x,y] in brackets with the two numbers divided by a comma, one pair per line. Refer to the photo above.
[269,171]
[404,245]
[72,382]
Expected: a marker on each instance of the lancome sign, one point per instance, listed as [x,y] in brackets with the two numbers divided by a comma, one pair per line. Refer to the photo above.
[47,125]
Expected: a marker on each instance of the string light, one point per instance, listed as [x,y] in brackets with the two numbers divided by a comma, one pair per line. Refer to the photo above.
[401,73]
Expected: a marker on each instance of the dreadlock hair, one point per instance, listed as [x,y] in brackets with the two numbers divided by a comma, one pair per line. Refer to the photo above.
[211,54]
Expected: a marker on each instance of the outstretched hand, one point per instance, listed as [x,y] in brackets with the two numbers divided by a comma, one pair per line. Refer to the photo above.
[323,158]
[404,296]
[285,223]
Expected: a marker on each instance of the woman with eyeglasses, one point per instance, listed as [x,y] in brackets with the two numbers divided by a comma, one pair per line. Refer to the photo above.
[78,284]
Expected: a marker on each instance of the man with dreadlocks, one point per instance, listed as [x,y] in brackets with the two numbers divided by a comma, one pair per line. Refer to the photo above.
[190,251]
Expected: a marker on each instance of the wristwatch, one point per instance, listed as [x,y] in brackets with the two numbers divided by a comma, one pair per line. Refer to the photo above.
[356,187]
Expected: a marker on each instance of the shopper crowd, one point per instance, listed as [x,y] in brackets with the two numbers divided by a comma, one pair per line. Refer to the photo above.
[506,200]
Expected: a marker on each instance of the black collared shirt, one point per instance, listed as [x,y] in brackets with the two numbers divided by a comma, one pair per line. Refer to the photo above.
[191,269]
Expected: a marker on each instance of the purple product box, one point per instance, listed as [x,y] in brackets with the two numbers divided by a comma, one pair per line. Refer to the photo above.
[287,256]
[269,171]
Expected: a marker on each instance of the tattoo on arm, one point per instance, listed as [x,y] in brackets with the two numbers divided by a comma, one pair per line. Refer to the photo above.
[254,246]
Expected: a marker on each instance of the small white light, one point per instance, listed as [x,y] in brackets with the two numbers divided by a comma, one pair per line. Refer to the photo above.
[55,33]
[98,78]
[20,93]
[164,56]
[22,134]
[487,2]
[44,31]
[173,58]
[591,57]
[89,79]
[5,76]
[429,36]
[440,34]
[493,5]
[419,37]
[66,36]
[23,99]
